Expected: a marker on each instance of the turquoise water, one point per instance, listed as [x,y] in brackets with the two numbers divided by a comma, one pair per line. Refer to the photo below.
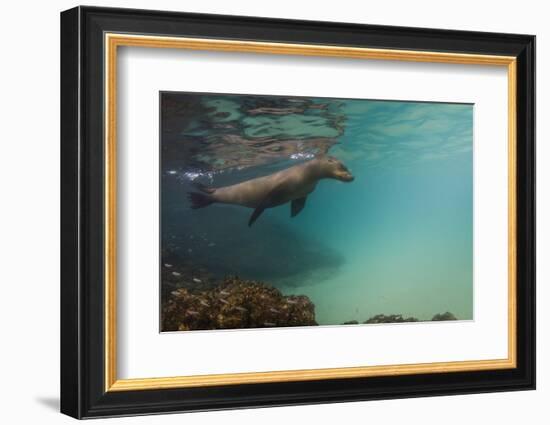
[396,240]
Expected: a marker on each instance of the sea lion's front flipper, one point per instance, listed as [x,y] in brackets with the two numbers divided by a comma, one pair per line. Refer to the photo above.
[257,212]
[269,201]
[297,205]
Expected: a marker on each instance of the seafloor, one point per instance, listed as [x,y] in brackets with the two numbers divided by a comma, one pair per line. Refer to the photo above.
[193,299]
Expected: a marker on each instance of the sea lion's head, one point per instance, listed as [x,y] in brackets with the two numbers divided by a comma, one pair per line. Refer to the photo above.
[334,169]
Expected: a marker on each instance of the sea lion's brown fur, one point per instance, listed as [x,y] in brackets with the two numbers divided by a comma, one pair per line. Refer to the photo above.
[289,185]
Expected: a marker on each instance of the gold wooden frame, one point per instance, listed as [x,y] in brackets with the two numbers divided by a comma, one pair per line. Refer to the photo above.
[113,41]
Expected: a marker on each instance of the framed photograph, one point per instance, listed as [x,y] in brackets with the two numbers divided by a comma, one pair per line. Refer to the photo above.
[261,212]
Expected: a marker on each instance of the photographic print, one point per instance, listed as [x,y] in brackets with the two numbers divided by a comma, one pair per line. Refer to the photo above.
[284,211]
[200,212]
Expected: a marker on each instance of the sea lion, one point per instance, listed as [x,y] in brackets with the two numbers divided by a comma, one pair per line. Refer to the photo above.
[292,185]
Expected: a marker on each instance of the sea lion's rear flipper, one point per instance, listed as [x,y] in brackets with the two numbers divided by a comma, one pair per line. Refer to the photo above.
[297,205]
[199,200]
[257,212]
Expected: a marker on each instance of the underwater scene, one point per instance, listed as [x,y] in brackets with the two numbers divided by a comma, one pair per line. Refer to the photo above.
[284,211]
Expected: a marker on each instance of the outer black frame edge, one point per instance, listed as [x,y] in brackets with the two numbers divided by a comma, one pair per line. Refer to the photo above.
[526,211]
[69,320]
[82,345]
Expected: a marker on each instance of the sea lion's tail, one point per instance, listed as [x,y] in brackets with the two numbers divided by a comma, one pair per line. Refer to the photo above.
[199,200]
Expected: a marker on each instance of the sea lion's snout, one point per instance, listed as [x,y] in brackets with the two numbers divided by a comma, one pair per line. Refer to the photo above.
[334,169]
[343,174]
[346,177]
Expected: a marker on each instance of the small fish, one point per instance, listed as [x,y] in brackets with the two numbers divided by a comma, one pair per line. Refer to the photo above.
[224,301]
[192,312]
[176,274]
[292,301]
[189,250]
[242,309]
[224,293]
[269,324]
[175,292]
[274,310]
[211,244]
[167,265]
[204,303]
[197,280]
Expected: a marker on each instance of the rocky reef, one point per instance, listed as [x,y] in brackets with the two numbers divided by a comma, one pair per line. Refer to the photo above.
[235,304]
[398,318]
[390,318]
[444,316]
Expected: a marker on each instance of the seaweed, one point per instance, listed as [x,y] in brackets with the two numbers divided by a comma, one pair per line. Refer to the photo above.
[235,304]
